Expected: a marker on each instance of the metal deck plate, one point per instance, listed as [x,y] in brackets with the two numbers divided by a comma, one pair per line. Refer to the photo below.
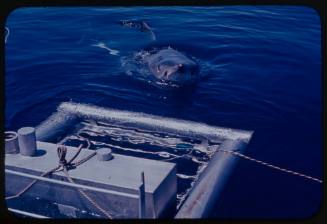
[121,173]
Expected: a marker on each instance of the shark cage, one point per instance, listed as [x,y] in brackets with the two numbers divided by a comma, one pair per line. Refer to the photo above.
[88,161]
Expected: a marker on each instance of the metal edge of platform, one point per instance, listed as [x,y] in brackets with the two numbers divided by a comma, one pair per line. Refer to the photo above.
[28,214]
[69,113]
[211,182]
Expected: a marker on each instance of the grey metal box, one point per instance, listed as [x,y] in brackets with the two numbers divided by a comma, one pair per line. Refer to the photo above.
[121,174]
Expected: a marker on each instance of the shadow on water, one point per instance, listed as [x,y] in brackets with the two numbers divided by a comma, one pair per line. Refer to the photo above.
[183,95]
[40,152]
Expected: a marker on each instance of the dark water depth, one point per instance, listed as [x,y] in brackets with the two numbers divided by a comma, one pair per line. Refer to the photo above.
[260,70]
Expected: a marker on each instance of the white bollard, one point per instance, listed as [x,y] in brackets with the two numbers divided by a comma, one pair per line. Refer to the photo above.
[11,142]
[27,141]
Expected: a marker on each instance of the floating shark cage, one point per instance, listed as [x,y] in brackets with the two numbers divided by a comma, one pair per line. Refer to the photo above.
[180,160]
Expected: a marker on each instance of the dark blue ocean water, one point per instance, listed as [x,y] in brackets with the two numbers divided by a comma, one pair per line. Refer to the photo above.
[260,70]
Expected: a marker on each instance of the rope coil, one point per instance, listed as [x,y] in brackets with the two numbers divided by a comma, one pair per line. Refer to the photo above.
[61,152]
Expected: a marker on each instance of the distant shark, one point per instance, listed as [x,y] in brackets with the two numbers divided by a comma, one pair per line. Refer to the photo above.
[140,25]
